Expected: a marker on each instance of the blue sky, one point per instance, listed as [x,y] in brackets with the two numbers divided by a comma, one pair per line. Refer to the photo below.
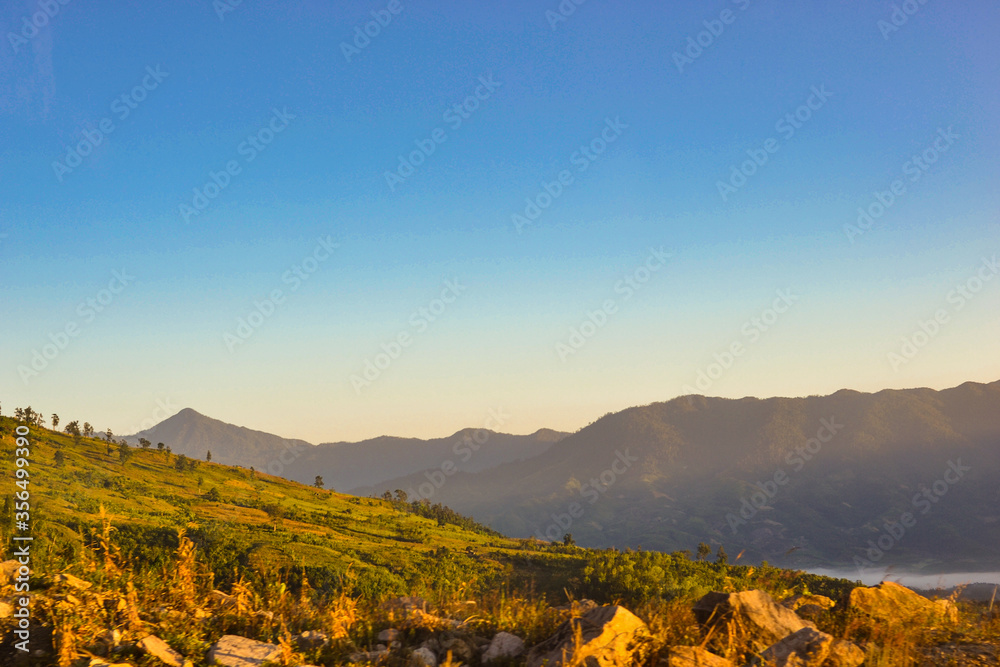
[506,340]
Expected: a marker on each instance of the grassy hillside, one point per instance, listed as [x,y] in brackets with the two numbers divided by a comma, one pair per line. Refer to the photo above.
[247,519]
[155,534]
[131,543]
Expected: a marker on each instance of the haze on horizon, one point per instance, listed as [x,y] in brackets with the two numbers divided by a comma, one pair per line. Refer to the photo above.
[767,282]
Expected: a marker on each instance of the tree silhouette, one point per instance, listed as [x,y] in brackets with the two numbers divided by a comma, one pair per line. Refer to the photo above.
[704,551]
[208,456]
[318,483]
[55,420]
[144,443]
[721,557]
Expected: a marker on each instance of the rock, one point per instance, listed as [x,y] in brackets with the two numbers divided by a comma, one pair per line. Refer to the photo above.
[389,635]
[236,651]
[891,602]
[692,656]
[810,612]
[311,639]
[224,600]
[370,656]
[844,654]
[460,649]
[797,601]
[433,644]
[72,581]
[609,634]
[423,657]
[504,645]
[811,648]
[159,649]
[765,621]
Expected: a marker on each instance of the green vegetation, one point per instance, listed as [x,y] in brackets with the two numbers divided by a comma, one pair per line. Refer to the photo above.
[269,527]
[156,534]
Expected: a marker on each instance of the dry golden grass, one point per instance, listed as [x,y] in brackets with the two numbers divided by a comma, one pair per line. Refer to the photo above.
[176,601]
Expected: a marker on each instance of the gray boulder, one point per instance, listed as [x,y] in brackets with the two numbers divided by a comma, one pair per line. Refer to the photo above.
[610,636]
[504,645]
[752,613]
[236,651]
[811,648]
[692,656]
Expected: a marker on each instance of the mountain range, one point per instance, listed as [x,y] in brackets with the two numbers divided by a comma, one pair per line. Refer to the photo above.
[908,478]
[343,465]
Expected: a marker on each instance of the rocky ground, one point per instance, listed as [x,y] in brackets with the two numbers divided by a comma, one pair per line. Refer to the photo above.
[748,623]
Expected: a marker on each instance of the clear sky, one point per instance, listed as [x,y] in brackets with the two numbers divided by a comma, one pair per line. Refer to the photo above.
[120,120]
